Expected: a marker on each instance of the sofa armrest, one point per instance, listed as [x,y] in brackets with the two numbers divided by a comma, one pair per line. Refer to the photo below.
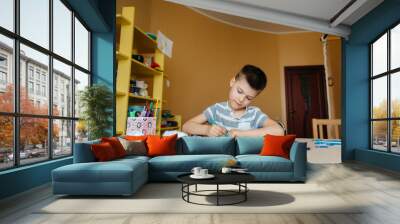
[298,155]
[83,152]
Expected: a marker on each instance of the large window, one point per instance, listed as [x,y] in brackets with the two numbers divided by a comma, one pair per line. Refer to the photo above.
[385,91]
[44,64]
[3,70]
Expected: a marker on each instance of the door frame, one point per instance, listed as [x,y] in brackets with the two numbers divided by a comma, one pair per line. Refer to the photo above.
[285,102]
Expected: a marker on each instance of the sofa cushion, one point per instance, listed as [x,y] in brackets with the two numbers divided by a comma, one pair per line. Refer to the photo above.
[195,145]
[136,138]
[93,172]
[135,147]
[103,152]
[161,146]
[134,162]
[249,145]
[132,158]
[257,163]
[185,163]
[116,145]
[277,145]
[112,171]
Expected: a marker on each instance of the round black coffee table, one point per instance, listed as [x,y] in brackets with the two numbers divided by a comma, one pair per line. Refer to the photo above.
[238,179]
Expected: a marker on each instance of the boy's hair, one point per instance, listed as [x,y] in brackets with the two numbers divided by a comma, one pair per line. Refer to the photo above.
[254,76]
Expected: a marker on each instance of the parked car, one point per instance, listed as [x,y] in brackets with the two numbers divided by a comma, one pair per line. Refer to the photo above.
[57,152]
[22,155]
[10,156]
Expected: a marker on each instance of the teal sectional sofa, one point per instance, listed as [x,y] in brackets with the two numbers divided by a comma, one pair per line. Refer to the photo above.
[125,176]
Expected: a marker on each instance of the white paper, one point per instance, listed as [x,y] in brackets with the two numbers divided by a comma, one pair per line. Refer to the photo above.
[179,133]
[164,44]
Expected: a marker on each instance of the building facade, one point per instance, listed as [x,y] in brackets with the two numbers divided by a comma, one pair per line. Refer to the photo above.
[34,80]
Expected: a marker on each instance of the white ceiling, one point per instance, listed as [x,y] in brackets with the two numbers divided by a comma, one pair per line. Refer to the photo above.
[285,16]
[320,9]
[250,24]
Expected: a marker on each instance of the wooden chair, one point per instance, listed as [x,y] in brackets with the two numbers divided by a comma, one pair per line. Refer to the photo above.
[283,126]
[332,128]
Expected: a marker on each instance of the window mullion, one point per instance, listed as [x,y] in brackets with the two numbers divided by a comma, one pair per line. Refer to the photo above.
[50,81]
[16,69]
[73,82]
[371,89]
[389,106]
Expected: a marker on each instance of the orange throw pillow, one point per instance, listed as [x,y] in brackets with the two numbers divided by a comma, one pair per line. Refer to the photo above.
[136,138]
[103,152]
[277,145]
[116,145]
[161,146]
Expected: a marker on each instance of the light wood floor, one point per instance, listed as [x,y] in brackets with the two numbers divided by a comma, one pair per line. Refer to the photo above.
[377,188]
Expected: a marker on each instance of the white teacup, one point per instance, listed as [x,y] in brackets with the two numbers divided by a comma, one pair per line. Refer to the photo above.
[203,172]
[226,170]
[196,171]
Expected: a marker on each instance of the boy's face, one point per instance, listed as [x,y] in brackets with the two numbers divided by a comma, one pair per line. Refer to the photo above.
[241,94]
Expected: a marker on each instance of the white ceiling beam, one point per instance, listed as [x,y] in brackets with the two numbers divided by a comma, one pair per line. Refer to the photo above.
[348,12]
[267,15]
[362,11]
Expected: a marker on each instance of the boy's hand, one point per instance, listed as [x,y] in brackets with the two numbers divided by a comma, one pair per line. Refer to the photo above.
[234,133]
[215,130]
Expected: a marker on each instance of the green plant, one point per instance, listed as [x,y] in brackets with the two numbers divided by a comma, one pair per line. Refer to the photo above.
[96,104]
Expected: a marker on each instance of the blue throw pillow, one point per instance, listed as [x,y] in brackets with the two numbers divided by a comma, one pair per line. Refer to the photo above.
[194,145]
[249,145]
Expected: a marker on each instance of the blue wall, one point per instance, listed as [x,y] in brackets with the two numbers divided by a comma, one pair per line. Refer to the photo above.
[24,178]
[380,159]
[103,53]
[356,101]
[99,15]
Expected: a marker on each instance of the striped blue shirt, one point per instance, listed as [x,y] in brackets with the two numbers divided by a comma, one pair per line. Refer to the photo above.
[221,114]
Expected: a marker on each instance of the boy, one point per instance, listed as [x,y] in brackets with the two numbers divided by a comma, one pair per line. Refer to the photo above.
[235,117]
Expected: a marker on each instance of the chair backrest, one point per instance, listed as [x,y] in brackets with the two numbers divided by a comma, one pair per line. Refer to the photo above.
[332,128]
[283,126]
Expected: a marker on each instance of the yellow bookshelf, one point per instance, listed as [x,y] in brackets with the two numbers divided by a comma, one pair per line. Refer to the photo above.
[178,119]
[142,97]
[140,68]
[133,40]
[169,128]
[121,56]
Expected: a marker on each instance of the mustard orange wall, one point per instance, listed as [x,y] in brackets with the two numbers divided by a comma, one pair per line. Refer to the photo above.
[142,11]
[207,54]
[335,55]
[302,49]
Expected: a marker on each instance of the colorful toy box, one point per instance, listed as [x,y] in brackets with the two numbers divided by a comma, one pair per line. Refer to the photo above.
[141,126]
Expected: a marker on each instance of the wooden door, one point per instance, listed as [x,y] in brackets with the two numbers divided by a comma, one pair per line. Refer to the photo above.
[305,98]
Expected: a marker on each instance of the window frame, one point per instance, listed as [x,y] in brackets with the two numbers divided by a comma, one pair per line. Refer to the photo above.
[3,74]
[388,74]
[16,114]
[6,61]
[3,70]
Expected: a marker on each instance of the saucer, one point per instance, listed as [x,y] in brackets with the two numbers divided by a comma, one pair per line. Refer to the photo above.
[240,171]
[208,176]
